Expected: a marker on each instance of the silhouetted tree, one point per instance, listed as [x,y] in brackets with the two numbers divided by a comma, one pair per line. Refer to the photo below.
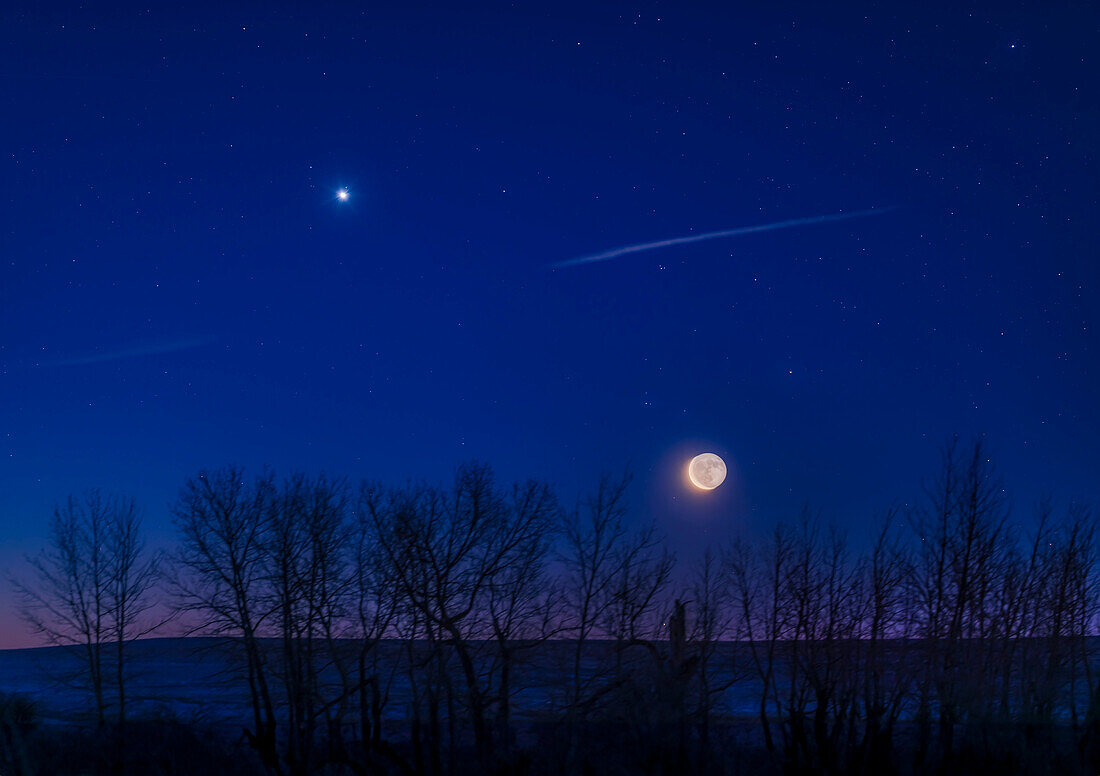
[884,679]
[978,631]
[307,559]
[456,558]
[221,582]
[714,623]
[961,562]
[522,603]
[593,534]
[91,588]
[758,576]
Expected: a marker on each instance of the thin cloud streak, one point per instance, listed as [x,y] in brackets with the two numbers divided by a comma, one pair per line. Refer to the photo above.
[134,351]
[615,253]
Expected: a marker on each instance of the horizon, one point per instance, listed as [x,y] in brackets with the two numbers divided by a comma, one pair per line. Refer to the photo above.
[365,242]
[655,389]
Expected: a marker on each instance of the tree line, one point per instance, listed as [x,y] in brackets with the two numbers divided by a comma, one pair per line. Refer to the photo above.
[953,639]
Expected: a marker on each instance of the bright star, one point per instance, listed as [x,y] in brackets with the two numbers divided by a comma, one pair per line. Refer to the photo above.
[342,195]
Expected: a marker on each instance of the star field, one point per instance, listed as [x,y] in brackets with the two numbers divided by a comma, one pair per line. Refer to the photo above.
[321,241]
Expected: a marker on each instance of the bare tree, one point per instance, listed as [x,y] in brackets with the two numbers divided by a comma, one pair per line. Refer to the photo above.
[979,631]
[592,534]
[641,574]
[371,609]
[448,552]
[884,678]
[758,577]
[521,603]
[307,561]
[714,623]
[961,565]
[221,583]
[91,588]
[133,574]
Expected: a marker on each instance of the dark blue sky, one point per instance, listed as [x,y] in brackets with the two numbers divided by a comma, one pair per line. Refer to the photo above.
[180,287]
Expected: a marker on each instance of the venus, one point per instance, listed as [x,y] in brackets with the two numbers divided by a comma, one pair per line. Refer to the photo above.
[707,471]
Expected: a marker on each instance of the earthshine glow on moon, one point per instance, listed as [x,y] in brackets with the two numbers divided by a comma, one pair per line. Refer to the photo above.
[707,471]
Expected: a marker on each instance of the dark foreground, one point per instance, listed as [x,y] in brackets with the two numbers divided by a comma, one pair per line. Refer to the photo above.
[162,746]
[190,714]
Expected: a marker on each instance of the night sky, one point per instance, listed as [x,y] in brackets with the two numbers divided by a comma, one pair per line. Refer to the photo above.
[182,288]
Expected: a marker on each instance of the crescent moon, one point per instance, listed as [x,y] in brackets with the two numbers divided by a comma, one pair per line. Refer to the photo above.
[706,471]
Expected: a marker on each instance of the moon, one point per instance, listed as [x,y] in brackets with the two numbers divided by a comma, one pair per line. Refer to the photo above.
[707,471]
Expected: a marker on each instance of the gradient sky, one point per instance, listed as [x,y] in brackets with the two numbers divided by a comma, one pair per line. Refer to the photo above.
[180,287]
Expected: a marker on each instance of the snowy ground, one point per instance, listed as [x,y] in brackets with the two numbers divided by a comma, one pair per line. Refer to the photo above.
[196,679]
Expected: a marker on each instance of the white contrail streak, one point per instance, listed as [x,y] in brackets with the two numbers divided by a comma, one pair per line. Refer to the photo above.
[615,253]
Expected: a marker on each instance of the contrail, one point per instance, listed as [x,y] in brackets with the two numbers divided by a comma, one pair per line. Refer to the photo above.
[615,253]
[134,351]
